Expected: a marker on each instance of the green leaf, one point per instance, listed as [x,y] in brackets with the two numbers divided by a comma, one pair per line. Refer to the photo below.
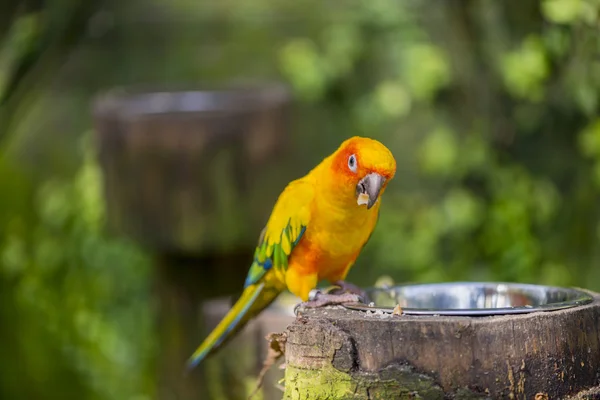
[439,152]
[393,99]
[301,63]
[589,139]
[426,70]
[562,11]
[526,69]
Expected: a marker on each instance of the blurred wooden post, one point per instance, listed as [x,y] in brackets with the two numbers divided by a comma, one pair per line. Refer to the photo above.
[232,372]
[343,354]
[181,174]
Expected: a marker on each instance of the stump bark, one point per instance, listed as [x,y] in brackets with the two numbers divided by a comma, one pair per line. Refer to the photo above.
[342,354]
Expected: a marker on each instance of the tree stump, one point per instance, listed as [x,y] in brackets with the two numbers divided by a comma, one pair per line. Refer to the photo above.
[336,353]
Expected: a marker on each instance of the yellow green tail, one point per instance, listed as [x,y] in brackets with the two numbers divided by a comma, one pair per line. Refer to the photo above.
[253,300]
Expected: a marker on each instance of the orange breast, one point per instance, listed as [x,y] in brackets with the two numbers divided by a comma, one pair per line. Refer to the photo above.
[309,259]
[331,243]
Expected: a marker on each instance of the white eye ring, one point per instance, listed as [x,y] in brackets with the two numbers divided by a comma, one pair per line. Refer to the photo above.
[352,164]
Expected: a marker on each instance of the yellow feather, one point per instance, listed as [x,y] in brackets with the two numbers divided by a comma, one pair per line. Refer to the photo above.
[253,300]
[285,244]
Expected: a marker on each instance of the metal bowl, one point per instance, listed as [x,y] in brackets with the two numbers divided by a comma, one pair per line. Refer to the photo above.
[472,299]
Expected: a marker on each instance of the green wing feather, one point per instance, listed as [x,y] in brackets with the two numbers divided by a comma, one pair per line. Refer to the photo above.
[274,254]
[285,228]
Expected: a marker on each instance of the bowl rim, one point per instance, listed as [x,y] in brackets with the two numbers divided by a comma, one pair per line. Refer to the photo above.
[579,297]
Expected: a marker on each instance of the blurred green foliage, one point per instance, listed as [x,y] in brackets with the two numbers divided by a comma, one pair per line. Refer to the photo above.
[74,291]
[491,109]
[484,112]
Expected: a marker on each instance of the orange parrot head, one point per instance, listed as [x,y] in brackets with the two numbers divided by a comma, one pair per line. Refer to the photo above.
[363,167]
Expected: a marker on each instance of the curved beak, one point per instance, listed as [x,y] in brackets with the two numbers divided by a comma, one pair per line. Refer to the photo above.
[367,190]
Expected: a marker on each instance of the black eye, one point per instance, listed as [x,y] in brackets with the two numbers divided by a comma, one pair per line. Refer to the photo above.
[352,163]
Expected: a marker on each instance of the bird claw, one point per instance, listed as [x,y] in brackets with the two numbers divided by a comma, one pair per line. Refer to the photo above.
[352,288]
[320,299]
[342,293]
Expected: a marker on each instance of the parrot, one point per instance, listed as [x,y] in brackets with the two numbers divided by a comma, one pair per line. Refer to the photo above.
[317,229]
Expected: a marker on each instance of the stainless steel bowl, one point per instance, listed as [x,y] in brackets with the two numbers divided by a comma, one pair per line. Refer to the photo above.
[472,299]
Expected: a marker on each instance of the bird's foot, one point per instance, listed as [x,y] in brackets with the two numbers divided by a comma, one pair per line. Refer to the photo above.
[319,299]
[351,288]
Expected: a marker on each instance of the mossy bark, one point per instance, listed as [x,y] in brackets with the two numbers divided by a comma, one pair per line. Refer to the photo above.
[339,354]
[330,383]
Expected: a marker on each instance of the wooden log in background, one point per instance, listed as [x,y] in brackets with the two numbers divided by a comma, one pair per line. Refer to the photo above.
[179,166]
[233,371]
[181,172]
[343,354]
[185,318]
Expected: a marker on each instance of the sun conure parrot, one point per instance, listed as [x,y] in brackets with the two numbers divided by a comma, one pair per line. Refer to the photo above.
[316,230]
